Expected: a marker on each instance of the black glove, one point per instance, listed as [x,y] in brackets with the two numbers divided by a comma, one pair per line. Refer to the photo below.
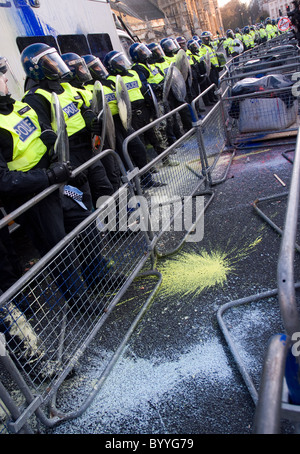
[59,172]
[48,137]
[79,180]
[91,122]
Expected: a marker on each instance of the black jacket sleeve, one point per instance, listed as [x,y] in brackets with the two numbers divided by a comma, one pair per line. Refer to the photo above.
[18,183]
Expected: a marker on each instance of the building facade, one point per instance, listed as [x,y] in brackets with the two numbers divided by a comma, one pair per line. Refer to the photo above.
[277,8]
[193,16]
[177,18]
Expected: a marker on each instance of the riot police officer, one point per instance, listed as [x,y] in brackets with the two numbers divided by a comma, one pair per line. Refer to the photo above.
[206,47]
[81,122]
[79,77]
[136,148]
[116,63]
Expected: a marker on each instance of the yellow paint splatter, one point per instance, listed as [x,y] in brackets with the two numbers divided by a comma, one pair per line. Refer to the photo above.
[189,273]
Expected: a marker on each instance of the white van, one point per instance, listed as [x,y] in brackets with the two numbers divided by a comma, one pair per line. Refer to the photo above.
[80,26]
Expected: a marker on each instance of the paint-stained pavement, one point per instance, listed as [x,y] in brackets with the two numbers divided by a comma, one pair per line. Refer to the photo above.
[177,374]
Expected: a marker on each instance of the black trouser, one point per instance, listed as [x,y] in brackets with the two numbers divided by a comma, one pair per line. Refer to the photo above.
[112,171]
[10,266]
[141,117]
[88,243]
[185,115]
[136,148]
[98,181]
[44,225]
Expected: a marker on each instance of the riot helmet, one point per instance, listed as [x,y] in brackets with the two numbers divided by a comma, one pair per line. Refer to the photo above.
[79,71]
[182,42]
[206,36]
[116,63]
[237,30]
[95,67]
[229,33]
[268,20]
[193,46]
[156,51]
[139,53]
[246,30]
[169,47]
[41,61]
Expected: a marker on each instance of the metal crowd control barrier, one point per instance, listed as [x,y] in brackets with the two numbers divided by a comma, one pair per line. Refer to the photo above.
[273,403]
[269,400]
[261,115]
[192,176]
[53,313]
[49,327]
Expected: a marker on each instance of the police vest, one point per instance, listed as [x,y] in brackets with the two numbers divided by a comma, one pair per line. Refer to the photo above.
[110,97]
[248,40]
[262,33]
[229,43]
[71,102]
[86,94]
[170,59]
[133,85]
[163,66]
[193,58]
[270,31]
[239,36]
[154,75]
[211,52]
[23,125]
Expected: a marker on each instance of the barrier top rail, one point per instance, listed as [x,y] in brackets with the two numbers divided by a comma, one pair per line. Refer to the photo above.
[285,270]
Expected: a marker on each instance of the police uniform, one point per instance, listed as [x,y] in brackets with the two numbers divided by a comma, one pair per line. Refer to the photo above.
[140,110]
[214,70]
[136,147]
[24,159]
[80,145]
[110,165]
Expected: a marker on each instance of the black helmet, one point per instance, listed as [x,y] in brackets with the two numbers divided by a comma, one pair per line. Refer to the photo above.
[78,68]
[229,33]
[41,61]
[139,53]
[116,62]
[95,67]
[246,29]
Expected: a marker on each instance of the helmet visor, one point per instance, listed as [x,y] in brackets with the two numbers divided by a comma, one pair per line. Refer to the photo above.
[157,52]
[143,52]
[8,81]
[3,85]
[194,46]
[52,64]
[120,62]
[170,46]
[97,69]
[80,70]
